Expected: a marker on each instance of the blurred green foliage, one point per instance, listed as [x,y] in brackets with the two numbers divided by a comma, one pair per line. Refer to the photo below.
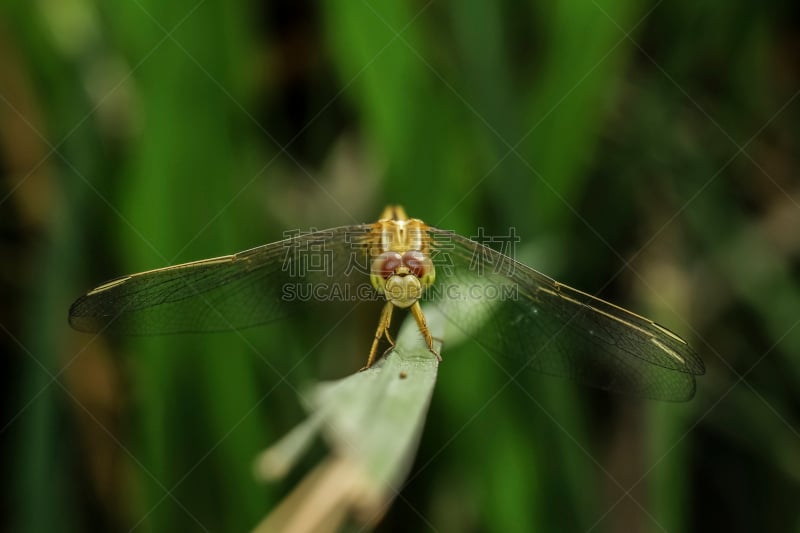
[645,152]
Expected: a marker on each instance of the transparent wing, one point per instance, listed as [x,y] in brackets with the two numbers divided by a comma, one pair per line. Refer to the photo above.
[517,312]
[230,292]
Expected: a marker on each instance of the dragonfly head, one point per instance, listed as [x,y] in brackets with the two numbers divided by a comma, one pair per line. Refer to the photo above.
[402,278]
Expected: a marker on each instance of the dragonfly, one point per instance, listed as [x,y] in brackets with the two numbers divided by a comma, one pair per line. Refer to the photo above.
[510,309]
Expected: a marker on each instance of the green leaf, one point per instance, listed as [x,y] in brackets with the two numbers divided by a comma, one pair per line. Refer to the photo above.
[372,421]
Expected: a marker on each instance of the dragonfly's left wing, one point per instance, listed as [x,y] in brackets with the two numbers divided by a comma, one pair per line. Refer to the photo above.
[230,292]
[518,313]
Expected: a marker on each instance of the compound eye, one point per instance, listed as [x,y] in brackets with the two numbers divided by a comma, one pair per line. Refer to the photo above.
[417,263]
[385,264]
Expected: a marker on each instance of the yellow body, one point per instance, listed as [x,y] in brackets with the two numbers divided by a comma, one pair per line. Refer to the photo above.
[401,269]
[397,233]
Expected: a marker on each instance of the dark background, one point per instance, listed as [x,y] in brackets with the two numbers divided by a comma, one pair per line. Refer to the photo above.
[644,152]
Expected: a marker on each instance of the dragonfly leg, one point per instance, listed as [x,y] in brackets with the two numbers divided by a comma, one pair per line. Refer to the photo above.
[387,310]
[383,326]
[416,310]
[386,333]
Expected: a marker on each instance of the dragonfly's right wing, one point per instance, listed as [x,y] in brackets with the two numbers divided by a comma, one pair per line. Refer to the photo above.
[230,292]
[518,313]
